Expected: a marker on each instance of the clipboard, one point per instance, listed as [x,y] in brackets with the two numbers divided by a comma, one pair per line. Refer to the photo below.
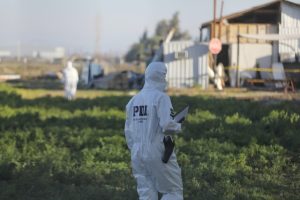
[183,113]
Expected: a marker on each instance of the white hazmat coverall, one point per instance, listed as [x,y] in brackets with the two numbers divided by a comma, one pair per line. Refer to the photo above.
[70,79]
[148,117]
[219,79]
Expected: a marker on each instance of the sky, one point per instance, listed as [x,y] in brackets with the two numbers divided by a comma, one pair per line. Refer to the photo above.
[76,24]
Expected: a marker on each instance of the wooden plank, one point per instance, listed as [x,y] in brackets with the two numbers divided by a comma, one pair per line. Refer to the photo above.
[261,30]
[243,29]
[233,32]
[224,34]
[217,30]
[252,29]
[228,34]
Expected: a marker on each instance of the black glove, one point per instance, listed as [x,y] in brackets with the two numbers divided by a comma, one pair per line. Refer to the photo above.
[169,147]
[181,120]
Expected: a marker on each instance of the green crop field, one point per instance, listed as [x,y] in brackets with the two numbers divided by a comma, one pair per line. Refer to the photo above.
[53,149]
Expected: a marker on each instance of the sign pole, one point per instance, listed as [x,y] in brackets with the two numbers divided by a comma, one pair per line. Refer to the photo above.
[214,23]
[238,62]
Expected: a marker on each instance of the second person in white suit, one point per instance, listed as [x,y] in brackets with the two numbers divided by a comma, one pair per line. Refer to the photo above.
[70,80]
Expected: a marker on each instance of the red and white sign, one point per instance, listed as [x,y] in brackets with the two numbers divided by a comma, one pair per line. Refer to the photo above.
[215,46]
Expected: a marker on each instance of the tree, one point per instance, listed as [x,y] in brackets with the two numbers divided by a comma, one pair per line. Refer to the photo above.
[143,50]
[162,28]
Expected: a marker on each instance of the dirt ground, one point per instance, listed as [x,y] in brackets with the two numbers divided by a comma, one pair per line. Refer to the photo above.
[33,87]
[240,93]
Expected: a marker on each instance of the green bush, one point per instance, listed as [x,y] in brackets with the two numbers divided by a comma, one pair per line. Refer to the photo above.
[229,149]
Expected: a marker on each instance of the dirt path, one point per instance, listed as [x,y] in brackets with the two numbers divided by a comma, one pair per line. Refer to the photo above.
[241,93]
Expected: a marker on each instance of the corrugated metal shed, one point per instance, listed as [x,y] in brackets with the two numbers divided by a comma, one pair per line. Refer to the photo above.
[290,24]
[187,64]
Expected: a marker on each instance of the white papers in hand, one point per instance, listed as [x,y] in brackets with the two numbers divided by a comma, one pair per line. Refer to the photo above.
[181,114]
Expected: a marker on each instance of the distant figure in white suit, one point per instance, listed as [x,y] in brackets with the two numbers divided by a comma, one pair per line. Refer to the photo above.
[70,80]
[219,77]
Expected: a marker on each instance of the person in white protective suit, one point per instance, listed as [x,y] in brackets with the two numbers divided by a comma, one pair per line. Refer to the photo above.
[70,80]
[148,119]
[219,77]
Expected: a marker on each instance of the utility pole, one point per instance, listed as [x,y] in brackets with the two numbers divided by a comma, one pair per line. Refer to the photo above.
[238,62]
[214,33]
[19,51]
[97,42]
[221,20]
[214,22]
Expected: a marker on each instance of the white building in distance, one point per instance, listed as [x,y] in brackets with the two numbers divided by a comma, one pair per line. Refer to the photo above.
[58,53]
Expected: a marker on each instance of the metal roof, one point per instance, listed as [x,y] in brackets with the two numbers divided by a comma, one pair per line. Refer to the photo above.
[238,14]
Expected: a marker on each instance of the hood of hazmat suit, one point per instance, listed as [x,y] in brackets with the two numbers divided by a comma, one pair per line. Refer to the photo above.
[155,76]
[149,116]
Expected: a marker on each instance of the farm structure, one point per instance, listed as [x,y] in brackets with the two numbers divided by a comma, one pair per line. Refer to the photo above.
[257,38]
